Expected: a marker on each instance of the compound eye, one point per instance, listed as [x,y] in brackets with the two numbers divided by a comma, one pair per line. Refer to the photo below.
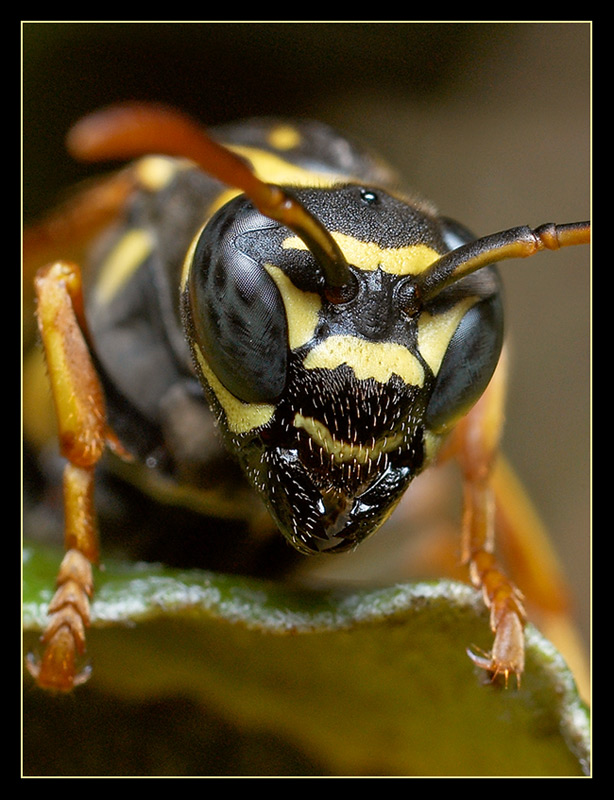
[468,364]
[237,312]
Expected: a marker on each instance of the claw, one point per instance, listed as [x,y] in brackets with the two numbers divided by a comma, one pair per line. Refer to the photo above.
[507,656]
[64,635]
[56,669]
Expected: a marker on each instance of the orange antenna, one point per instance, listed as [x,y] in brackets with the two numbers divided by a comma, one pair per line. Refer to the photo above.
[132,129]
[513,243]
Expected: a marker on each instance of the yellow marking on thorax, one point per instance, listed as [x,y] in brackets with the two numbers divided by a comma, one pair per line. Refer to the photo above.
[302,308]
[284,137]
[435,332]
[409,260]
[344,451]
[156,172]
[122,262]
[273,169]
[240,417]
[377,360]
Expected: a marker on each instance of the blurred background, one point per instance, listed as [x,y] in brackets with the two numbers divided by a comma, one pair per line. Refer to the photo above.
[491,121]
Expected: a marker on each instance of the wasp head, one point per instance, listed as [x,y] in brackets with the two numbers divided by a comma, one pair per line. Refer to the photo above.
[331,397]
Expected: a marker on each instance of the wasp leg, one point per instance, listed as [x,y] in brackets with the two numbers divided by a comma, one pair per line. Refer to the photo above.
[526,547]
[82,430]
[476,448]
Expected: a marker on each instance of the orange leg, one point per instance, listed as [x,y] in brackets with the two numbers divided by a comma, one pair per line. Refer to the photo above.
[83,434]
[529,554]
[476,441]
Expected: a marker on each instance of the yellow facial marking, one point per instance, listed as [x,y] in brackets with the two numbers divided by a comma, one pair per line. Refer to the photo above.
[122,262]
[435,332]
[284,137]
[344,451]
[409,260]
[240,417]
[377,360]
[302,308]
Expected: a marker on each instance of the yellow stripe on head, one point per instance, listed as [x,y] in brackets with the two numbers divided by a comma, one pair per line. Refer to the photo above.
[377,360]
[435,332]
[345,452]
[240,417]
[409,260]
[302,308]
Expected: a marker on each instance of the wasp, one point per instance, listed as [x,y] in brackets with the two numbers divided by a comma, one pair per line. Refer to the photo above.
[267,314]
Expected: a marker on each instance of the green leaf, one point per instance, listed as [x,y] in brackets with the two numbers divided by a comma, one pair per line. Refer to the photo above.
[364,682]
